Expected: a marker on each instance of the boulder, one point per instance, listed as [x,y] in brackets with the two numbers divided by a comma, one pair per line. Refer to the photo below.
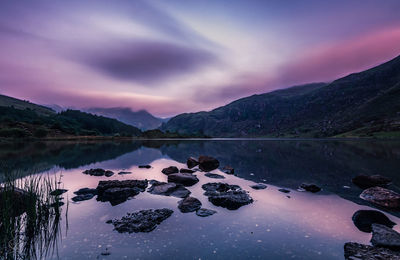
[192,162]
[170,170]
[355,251]
[117,192]
[58,192]
[258,186]
[228,170]
[207,163]
[365,181]
[381,196]
[214,175]
[183,170]
[99,172]
[382,236]
[205,212]
[186,179]
[141,221]
[145,166]
[189,204]
[124,173]
[82,197]
[227,196]
[168,189]
[363,220]
[310,187]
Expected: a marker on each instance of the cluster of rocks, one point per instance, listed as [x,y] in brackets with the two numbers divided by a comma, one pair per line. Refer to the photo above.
[141,221]
[99,172]
[227,196]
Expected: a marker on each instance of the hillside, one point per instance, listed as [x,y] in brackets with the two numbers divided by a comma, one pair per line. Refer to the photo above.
[6,101]
[360,104]
[140,119]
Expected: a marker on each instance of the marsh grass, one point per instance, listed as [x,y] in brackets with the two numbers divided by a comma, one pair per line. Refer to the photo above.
[29,217]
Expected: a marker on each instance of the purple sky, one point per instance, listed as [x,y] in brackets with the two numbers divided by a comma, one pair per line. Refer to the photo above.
[180,56]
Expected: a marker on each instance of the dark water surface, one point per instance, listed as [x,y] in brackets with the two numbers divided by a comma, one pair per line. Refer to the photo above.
[304,226]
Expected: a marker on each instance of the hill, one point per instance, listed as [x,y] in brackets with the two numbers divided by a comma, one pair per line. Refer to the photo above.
[6,101]
[140,119]
[360,104]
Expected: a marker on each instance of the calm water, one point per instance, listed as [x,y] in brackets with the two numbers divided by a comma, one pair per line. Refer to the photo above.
[304,226]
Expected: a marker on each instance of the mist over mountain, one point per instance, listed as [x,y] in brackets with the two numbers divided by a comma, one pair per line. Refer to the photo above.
[360,104]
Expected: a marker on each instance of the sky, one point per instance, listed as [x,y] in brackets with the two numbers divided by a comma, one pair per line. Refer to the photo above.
[178,56]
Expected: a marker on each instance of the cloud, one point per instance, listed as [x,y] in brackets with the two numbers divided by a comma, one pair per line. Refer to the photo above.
[148,61]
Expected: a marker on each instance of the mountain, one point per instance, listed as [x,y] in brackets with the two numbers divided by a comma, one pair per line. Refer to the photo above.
[360,104]
[6,101]
[140,119]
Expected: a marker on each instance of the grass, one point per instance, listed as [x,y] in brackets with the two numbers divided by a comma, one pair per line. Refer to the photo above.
[29,217]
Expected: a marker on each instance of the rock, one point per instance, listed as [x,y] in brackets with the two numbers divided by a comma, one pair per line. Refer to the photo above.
[207,163]
[192,162]
[214,175]
[117,192]
[363,220]
[58,192]
[99,172]
[186,171]
[86,191]
[259,186]
[124,173]
[83,197]
[189,204]
[145,166]
[141,221]
[365,181]
[168,189]
[284,190]
[381,196]
[170,170]
[228,170]
[310,187]
[355,251]
[382,236]
[186,179]
[228,196]
[106,252]
[205,212]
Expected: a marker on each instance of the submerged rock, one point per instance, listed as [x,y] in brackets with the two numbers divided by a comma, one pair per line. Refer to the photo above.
[83,197]
[124,173]
[228,170]
[58,192]
[363,220]
[284,190]
[86,191]
[170,170]
[189,204]
[99,172]
[382,236]
[381,196]
[117,192]
[228,196]
[205,212]
[310,187]
[186,179]
[141,221]
[183,170]
[214,175]
[366,181]
[355,251]
[168,189]
[192,162]
[259,186]
[207,163]
[145,166]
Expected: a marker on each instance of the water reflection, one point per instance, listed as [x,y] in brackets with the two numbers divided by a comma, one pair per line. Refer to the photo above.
[305,226]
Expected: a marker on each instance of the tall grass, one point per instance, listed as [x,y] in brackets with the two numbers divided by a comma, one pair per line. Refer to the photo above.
[29,217]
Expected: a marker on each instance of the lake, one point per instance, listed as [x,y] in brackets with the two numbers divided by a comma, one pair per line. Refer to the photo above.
[277,225]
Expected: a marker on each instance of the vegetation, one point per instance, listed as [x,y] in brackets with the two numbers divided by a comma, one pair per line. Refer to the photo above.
[368,100]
